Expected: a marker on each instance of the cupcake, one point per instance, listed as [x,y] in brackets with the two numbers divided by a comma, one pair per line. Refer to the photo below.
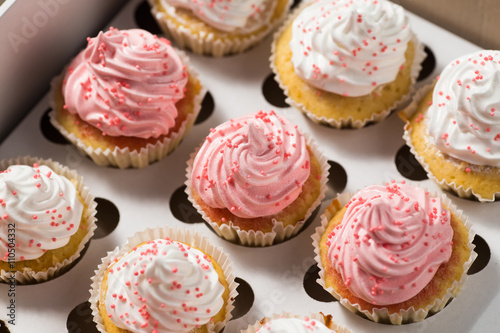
[453,127]
[47,216]
[127,99]
[256,179]
[394,252]
[286,322]
[163,280]
[346,63]
[218,28]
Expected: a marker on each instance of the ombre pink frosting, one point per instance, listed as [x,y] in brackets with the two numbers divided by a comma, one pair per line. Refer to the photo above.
[254,165]
[390,243]
[126,83]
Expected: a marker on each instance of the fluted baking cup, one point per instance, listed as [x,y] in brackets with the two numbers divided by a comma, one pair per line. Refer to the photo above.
[181,235]
[382,314]
[28,275]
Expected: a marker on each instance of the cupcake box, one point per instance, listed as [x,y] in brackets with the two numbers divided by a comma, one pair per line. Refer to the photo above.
[272,279]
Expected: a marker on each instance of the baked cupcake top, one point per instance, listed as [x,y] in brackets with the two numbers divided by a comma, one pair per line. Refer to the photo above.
[163,285]
[126,83]
[241,16]
[390,242]
[254,165]
[349,47]
[293,325]
[464,118]
[39,208]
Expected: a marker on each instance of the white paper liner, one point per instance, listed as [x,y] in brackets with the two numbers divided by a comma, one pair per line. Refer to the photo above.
[313,316]
[181,235]
[279,233]
[349,122]
[29,276]
[205,43]
[461,191]
[124,158]
[381,314]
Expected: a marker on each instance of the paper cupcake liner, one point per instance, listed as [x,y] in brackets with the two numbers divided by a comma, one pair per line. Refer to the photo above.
[181,235]
[279,232]
[313,316]
[342,122]
[406,114]
[206,43]
[124,158]
[29,276]
[409,315]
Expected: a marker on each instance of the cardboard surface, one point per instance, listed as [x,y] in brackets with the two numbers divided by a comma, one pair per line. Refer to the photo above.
[275,274]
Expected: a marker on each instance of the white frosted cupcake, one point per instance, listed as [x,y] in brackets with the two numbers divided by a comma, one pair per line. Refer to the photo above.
[453,126]
[286,322]
[127,99]
[47,216]
[163,280]
[257,179]
[346,63]
[218,28]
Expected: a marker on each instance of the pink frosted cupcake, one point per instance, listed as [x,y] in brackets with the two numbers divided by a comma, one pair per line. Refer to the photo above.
[256,179]
[127,99]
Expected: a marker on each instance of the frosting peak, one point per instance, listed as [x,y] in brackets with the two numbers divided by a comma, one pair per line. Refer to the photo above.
[390,243]
[126,83]
[41,206]
[254,165]
[464,118]
[163,286]
[349,47]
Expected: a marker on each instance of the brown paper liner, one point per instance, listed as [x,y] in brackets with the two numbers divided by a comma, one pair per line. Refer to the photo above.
[29,276]
[341,122]
[381,314]
[406,114]
[279,233]
[181,235]
[205,43]
[313,316]
[124,158]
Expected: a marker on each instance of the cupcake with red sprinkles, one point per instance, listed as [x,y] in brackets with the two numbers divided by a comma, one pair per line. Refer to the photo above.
[453,126]
[47,216]
[290,323]
[221,27]
[346,63]
[127,99]
[256,179]
[163,280]
[394,253]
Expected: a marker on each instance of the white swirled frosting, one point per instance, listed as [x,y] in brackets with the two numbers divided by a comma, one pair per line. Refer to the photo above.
[243,16]
[349,47]
[254,165]
[293,325]
[391,242]
[41,206]
[464,118]
[163,286]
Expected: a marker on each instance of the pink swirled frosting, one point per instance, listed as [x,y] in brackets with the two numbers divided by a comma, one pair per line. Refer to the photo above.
[254,165]
[390,243]
[126,83]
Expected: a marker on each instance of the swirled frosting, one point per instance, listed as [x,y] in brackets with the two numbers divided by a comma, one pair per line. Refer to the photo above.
[464,118]
[39,211]
[165,286]
[126,83]
[243,16]
[390,243]
[349,47]
[254,165]
[293,325]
